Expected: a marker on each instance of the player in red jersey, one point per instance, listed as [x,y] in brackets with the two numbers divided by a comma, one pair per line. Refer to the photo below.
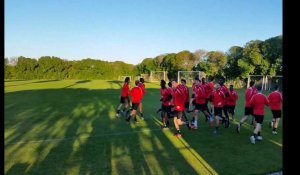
[124,99]
[186,92]
[208,90]
[218,98]
[248,108]
[142,86]
[225,90]
[275,100]
[165,103]
[178,101]
[200,104]
[137,94]
[231,101]
[258,102]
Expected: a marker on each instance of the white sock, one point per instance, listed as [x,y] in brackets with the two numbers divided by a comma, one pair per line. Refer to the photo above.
[196,123]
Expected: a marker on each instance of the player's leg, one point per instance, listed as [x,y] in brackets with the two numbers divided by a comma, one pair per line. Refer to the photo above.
[244,118]
[119,107]
[141,110]
[276,116]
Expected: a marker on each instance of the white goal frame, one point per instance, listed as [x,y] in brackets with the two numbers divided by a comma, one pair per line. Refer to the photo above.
[151,76]
[200,74]
[266,80]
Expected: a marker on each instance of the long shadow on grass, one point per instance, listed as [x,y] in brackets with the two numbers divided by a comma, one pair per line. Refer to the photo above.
[40,81]
[74,131]
[70,134]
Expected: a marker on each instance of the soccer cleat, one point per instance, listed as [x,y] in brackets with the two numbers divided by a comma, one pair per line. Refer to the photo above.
[117,115]
[274,132]
[142,118]
[259,138]
[252,139]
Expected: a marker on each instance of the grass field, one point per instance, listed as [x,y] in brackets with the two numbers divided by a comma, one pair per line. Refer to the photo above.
[69,127]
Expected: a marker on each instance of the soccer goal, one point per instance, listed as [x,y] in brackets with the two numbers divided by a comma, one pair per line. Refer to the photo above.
[189,76]
[156,76]
[273,80]
[122,77]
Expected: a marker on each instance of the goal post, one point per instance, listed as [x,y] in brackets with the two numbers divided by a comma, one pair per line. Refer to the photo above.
[273,80]
[266,81]
[189,76]
[156,76]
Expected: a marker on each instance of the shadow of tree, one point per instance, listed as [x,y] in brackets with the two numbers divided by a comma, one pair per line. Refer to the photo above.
[75,131]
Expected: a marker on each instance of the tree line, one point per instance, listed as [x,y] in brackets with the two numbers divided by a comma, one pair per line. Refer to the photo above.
[256,57]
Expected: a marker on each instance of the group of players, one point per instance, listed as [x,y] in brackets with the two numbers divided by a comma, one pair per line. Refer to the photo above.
[175,103]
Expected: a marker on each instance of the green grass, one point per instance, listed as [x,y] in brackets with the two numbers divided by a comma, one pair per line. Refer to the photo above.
[69,127]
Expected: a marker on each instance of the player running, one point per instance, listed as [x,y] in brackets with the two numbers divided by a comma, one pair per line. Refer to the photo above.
[124,99]
[137,94]
[275,100]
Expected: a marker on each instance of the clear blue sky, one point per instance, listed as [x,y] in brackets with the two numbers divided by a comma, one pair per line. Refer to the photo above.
[131,30]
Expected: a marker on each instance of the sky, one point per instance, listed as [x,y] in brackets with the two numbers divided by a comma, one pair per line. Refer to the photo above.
[132,30]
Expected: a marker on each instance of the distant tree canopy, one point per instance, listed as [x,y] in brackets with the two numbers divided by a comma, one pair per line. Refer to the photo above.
[256,57]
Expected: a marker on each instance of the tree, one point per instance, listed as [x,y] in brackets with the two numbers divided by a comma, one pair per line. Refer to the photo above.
[216,61]
[232,70]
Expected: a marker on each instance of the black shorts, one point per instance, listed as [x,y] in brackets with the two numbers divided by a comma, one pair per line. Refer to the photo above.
[201,107]
[124,100]
[276,113]
[259,118]
[178,114]
[218,111]
[186,105]
[248,111]
[230,109]
[165,108]
[135,106]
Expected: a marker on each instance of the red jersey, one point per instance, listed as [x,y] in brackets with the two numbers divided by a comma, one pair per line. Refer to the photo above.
[165,99]
[258,101]
[137,94]
[225,90]
[249,94]
[178,99]
[200,96]
[209,87]
[125,90]
[142,86]
[186,92]
[233,97]
[275,99]
[218,98]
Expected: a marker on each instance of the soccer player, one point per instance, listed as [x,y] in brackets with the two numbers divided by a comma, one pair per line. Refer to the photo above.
[186,92]
[218,98]
[248,108]
[258,101]
[142,86]
[231,101]
[165,103]
[200,96]
[137,94]
[178,101]
[124,100]
[225,90]
[275,100]
[208,90]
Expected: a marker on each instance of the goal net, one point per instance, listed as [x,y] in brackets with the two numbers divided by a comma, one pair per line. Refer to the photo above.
[267,82]
[273,80]
[156,76]
[189,76]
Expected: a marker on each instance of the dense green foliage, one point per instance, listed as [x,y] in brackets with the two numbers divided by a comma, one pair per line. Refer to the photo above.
[256,57]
